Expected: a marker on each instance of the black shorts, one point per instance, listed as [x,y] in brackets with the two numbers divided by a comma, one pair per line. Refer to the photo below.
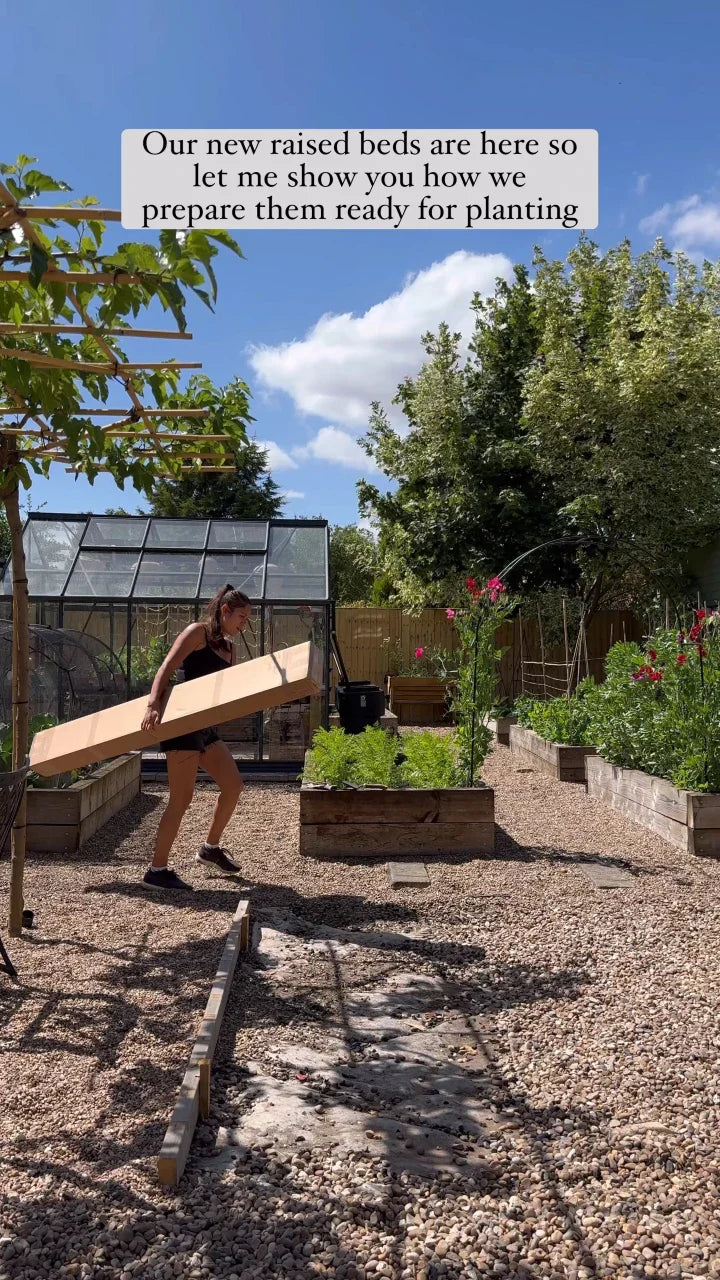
[199,741]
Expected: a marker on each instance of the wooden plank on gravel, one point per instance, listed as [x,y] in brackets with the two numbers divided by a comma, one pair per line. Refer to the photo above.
[178,1137]
[407,873]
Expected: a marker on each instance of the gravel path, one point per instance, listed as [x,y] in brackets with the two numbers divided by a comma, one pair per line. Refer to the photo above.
[596,1012]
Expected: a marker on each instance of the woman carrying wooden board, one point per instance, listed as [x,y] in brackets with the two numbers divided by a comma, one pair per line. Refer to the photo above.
[202,648]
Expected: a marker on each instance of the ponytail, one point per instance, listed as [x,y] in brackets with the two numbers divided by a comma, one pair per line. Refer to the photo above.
[212,620]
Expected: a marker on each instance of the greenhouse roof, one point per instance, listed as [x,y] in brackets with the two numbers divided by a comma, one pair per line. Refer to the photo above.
[162,558]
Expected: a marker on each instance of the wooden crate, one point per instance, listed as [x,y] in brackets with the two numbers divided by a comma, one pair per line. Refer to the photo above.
[61,821]
[689,820]
[567,764]
[417,700]
[375,823]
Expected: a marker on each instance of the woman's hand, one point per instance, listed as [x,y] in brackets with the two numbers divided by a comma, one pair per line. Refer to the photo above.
[152,717]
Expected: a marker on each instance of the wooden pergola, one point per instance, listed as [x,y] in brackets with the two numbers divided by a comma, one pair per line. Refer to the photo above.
[32,437]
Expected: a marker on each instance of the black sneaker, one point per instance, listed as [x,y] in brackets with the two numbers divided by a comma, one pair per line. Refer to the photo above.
[164,879]
[217,858]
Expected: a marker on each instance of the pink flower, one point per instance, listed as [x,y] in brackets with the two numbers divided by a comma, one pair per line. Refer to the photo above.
[496,588]
[419,653]
[450,613]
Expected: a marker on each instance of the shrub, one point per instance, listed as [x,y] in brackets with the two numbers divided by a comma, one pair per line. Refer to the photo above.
[569,721]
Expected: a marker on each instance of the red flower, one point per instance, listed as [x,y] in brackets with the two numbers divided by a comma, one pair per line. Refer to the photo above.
[700,614]
[702,653]
[695,633]
[652,655]
[642,674]
[654,675]
[471,584]
[681,659]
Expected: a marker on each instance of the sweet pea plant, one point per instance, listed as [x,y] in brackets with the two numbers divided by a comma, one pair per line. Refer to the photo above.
[659,708]
[473,696]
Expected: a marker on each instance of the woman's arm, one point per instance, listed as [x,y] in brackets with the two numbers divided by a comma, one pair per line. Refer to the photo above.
[192,638]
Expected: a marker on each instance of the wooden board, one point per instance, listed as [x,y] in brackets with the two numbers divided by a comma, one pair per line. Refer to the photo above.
[467,804]
[683,818]
[567,763]
[383,839]
[178,1137]
[256,685]
[413,873]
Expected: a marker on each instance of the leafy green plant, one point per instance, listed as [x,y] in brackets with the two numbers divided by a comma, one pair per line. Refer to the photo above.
[430,761]
[331,758]
[37,723]
[145,661]
[375,758]
[569,721]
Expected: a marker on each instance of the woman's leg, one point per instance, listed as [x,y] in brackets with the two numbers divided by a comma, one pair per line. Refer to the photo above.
[218,762]
[182,767]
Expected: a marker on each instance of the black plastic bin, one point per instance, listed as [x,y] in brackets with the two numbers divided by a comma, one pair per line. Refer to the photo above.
[359,704]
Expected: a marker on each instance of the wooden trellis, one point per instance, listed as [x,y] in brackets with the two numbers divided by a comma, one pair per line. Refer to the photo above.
[48,441]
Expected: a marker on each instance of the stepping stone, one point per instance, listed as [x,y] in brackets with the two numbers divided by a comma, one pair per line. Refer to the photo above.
[407,873]
[604,876]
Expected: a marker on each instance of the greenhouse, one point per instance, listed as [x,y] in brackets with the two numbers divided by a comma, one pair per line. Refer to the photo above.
[115,591]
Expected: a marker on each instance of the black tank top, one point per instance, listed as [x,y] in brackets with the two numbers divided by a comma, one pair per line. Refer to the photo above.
[201,662]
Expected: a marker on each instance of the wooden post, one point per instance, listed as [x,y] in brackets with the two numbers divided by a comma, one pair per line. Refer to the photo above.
[567,650]
[585,650]
[667,613]
[542,651]
[20,702]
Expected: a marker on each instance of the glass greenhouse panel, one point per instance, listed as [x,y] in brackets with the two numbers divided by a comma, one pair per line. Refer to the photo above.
[245,572]
[297,564]
[103,574]
[177,534]
[50,548]
[115,531]
[171,576]
[237,535]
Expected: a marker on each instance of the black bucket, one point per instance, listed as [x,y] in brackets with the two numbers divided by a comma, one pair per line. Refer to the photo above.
[359,704]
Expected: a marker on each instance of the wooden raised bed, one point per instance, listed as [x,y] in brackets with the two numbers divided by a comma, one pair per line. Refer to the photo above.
[689,820]
[375,823]
[417,699]
[62,820]
[501,728]
[567,764]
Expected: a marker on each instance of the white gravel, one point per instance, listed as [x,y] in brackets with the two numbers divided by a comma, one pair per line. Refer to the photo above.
[597,1009]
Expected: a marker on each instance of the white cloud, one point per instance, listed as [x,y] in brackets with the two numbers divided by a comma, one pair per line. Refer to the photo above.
[289,494]
[641,184]
[278,459]
[330,444]
[346,361]
[689,223]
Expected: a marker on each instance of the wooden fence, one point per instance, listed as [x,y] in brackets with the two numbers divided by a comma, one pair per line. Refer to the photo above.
[370,638]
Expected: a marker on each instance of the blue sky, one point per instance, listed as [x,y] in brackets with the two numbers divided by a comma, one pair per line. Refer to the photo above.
[321,322]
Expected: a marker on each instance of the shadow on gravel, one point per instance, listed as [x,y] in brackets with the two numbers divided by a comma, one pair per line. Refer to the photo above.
[106,846]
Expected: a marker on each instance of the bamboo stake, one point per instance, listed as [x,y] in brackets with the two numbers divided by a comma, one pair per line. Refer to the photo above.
[88,366]
[542,650]
[522,655]
[75,277]
[20,702]
[6,327]
[667,613]
[124,414]
[66,213]
[585,648]
[567,652]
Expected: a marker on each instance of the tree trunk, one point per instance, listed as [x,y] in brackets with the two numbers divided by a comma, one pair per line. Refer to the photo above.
[20,701]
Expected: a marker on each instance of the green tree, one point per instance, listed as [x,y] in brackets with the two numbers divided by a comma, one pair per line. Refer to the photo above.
[58,391]
[622,409]
[466,486]
[249,493]
[353,564]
